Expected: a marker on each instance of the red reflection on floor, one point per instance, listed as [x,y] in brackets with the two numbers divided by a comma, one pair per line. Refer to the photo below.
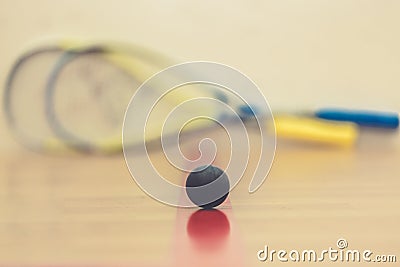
[208,229]
[207,238]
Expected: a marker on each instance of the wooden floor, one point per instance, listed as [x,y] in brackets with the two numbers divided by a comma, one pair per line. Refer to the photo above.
[77,210]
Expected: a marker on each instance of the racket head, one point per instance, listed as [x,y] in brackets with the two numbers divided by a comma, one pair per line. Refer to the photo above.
[79,97]
[23,100]
[89,89]
[84,100]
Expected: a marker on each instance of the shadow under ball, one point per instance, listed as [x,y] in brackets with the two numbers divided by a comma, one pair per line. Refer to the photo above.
[210,196]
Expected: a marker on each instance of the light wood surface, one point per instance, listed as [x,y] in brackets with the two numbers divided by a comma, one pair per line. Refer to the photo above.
[79,210]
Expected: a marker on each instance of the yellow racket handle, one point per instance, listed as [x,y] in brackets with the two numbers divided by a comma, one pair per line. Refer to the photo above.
[315,130]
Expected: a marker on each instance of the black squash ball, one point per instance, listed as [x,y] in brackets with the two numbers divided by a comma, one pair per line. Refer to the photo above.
[210,196]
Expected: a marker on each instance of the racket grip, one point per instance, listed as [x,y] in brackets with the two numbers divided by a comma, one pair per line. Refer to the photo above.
[364,118]
[315,130]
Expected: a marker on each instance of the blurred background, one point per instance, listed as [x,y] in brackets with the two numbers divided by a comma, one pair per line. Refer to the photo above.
[302,54]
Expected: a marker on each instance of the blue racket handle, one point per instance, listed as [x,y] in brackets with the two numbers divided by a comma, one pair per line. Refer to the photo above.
[361,117]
